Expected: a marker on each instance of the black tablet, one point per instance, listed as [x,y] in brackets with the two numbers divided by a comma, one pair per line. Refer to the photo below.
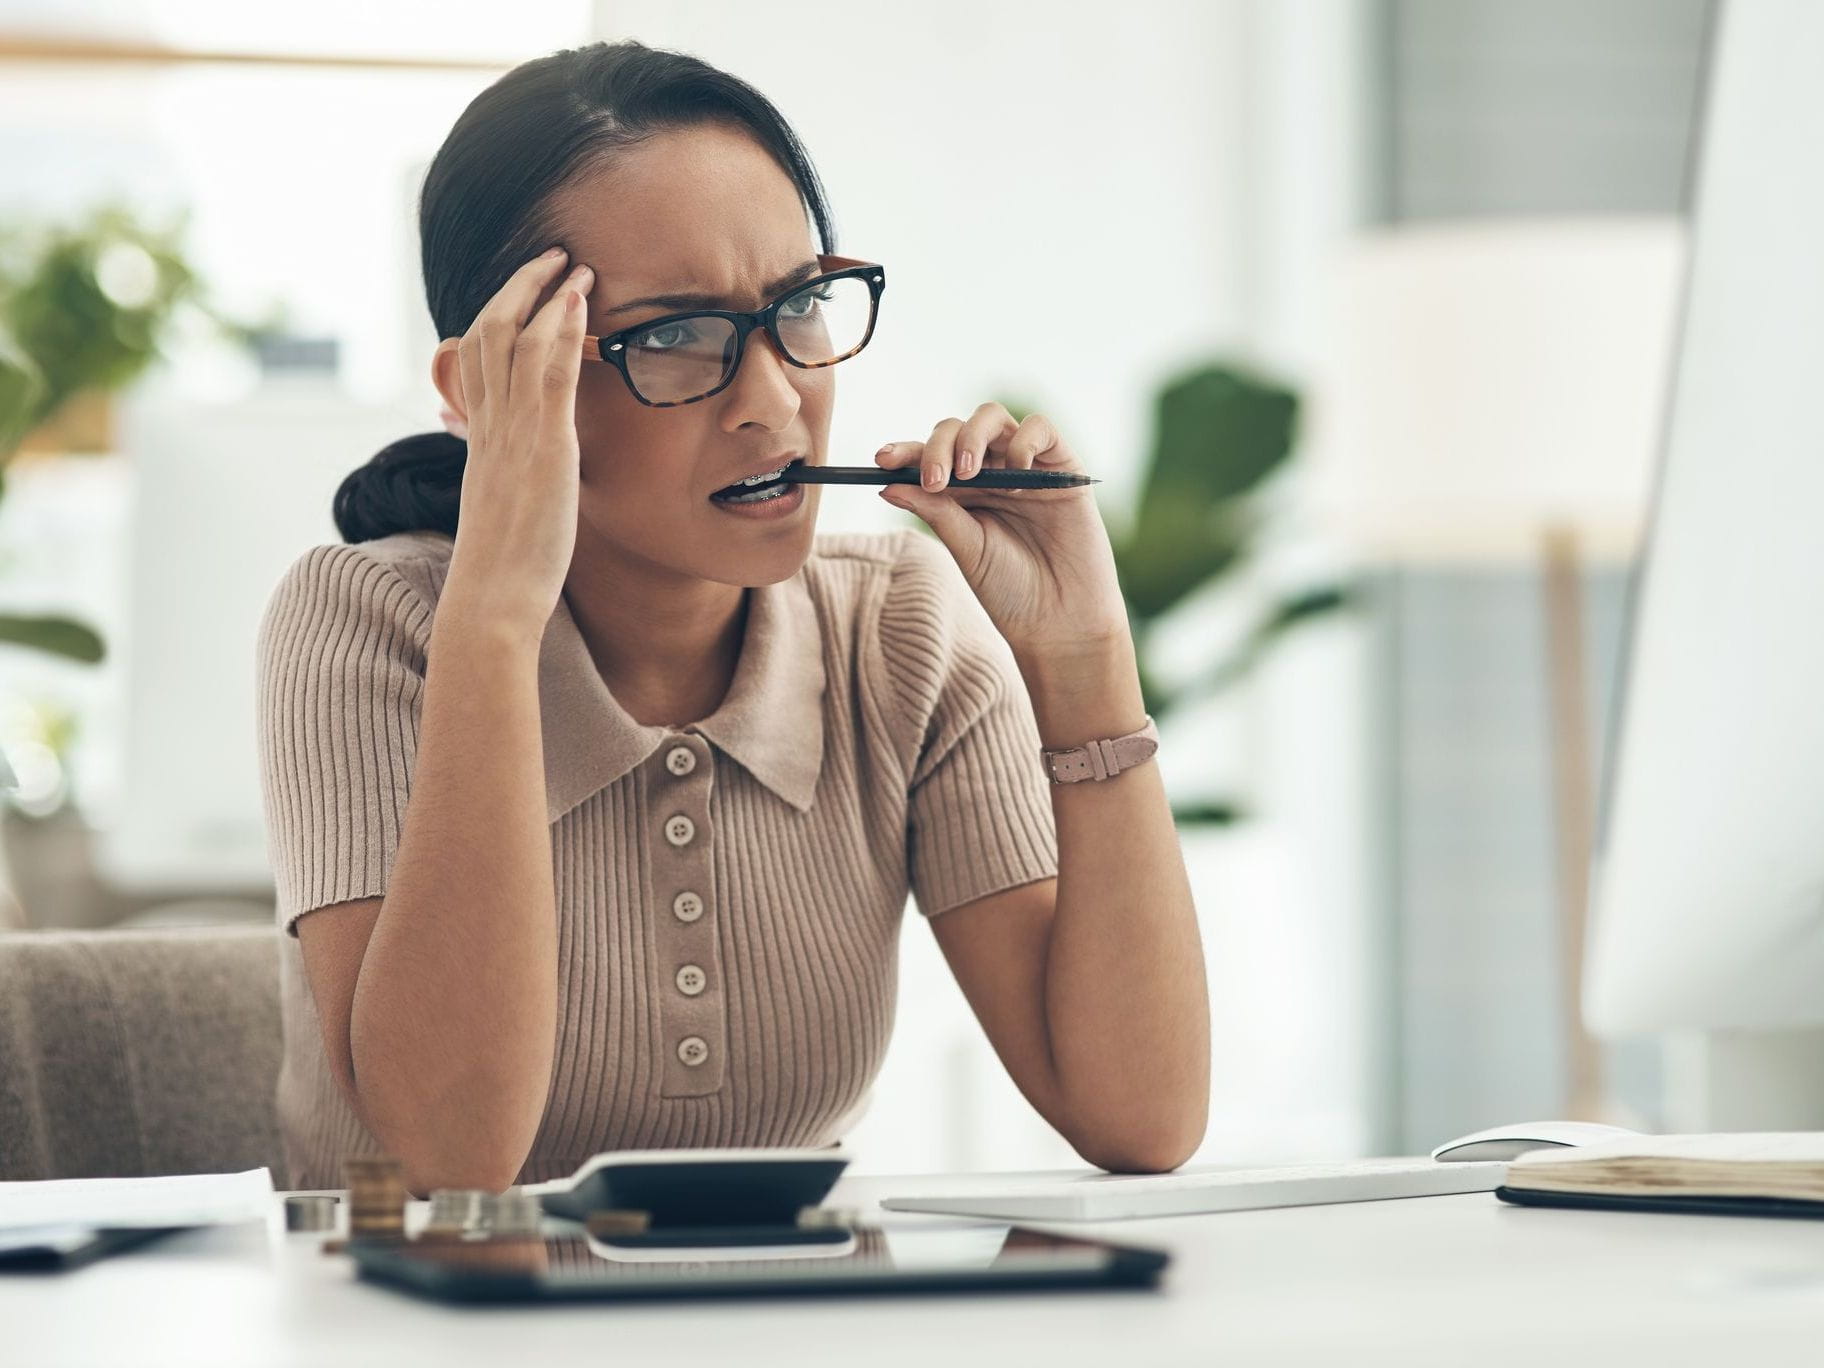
[963,1256]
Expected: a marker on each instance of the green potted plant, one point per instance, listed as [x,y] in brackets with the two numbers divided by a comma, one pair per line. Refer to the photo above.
[83,310]
[1219,432]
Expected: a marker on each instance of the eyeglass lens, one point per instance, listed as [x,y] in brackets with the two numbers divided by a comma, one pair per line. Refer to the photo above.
[687,357]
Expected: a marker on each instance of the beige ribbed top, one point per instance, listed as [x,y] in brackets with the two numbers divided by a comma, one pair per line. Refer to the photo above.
[729,892]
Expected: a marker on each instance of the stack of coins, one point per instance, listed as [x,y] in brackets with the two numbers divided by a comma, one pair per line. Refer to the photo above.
[517,1214]
[376,1198]
[459,1213]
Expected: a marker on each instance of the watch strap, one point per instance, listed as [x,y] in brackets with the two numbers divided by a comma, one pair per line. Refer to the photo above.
[1102,758]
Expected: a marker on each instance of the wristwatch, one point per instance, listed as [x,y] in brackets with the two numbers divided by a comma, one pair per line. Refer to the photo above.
[1101,759]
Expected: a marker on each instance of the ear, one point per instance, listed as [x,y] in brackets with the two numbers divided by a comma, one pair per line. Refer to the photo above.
[446,374]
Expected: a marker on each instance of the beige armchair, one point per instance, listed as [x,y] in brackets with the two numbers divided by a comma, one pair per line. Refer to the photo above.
[139,1052]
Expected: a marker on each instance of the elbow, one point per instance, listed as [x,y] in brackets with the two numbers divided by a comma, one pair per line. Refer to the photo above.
[428,1163]
[1141,1154]
[1155,1144]
[424,1174]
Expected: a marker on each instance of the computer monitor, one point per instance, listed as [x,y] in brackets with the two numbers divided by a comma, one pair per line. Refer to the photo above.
[1708,879]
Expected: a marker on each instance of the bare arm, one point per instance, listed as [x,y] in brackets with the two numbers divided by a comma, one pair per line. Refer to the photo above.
[1091,986]
[439,1002]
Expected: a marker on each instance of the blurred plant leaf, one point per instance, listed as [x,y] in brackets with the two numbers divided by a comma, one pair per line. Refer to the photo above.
[91,306]
[22,391]
[1219,433]
[1301,607]
[1207,813]
[55,635]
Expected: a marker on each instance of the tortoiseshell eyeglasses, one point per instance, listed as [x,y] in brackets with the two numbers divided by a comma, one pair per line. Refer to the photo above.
[684,357]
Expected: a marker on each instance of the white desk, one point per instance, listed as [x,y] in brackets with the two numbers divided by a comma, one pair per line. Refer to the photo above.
[1463,1281]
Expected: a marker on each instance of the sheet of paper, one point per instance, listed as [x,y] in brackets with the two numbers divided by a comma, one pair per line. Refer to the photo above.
[185,1199]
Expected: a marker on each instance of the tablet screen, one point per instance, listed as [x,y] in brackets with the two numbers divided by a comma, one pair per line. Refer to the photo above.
[882,1256]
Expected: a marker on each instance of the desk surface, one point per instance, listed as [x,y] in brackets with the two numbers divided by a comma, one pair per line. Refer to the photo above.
[1461,1280]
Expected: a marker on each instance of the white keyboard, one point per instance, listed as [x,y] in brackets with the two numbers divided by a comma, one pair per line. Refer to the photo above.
[1111,1196]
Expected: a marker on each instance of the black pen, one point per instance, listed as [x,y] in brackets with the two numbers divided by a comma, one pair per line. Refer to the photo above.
[992,477]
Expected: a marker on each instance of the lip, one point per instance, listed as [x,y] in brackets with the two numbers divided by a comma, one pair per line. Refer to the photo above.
[784,506]
[784,458]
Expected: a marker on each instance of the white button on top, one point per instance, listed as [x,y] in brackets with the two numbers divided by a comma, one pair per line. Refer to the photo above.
[687,906]
[693,1050]
[679,829]
[692,980]
[680,760]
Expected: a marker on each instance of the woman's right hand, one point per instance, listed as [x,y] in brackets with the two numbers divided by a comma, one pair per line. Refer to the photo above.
[517,530]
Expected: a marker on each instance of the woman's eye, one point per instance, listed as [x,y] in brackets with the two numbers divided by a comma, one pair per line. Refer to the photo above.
[663,338]
[804,305]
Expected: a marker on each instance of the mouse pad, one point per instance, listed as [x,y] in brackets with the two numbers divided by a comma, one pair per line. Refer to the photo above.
[877,1258]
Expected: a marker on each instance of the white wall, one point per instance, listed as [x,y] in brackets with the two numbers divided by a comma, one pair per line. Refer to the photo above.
[1181,169]
[1052,187]
[1073,200]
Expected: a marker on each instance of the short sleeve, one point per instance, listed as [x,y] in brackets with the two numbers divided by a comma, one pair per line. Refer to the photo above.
[979,805]
[340,679]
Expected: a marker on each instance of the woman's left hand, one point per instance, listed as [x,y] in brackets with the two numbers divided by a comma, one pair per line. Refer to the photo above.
[1038,559]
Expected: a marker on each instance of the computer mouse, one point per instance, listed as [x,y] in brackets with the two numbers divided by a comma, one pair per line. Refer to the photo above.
[1501,1143]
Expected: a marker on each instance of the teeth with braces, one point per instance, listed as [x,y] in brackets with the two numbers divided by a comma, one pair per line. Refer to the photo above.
[762,479]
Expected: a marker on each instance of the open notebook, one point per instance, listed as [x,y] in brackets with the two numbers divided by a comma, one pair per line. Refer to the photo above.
[1771,1173]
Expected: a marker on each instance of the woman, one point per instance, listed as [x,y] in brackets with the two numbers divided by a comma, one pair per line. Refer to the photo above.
[594,810]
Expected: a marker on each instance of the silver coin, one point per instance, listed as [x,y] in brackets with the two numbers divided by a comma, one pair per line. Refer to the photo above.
[517,1212]
[461,1210]
[310,1213]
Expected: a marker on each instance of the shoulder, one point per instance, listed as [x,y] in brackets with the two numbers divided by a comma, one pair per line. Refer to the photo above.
[902,585]
[923,634]
[377,592]
[337,570]
[906,569]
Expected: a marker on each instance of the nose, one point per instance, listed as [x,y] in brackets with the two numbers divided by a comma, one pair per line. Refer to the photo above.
[775,364]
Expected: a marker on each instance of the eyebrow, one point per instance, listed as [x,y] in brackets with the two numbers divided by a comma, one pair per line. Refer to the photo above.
[798,275]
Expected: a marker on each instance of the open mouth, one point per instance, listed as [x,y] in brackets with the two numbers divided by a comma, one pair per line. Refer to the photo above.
[758,488]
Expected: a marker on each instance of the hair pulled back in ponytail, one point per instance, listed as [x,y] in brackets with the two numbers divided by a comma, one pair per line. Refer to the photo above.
[489,205]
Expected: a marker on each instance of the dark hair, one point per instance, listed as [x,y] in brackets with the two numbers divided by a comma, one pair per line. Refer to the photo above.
[488,206]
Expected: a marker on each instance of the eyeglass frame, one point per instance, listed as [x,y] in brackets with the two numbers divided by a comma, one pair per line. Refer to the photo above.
[611,347]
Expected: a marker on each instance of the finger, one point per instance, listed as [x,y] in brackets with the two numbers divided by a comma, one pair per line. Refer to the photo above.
[989,424]
[497,326]
[954,525]
[896,454]
[543,376]
[531,348]
[564,361]
[1035,442]
[474,388]
[939,456]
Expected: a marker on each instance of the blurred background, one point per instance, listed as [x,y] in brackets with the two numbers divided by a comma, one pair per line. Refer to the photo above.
[1362,309]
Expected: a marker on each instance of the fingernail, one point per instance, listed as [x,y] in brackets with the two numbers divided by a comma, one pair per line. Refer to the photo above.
[580,272]
[934,477]
[965,462]
[884,450]
[554,251]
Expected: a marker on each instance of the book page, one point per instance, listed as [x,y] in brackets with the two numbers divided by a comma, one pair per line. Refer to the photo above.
[1766,1147]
